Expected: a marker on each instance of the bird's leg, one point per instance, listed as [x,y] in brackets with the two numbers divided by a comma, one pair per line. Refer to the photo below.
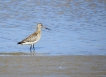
[30,48]
[33,48]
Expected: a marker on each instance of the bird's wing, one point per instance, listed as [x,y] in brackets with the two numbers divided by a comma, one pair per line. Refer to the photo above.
[31,38]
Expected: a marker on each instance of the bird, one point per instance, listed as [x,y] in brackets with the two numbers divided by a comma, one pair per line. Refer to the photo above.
[33,38]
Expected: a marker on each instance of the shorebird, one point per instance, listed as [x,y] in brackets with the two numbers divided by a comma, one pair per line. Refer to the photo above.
[33,38]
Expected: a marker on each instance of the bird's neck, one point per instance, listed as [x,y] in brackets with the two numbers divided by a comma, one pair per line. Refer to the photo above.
[38,29]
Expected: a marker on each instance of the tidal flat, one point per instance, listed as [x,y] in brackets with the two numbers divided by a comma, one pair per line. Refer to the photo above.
[52,66]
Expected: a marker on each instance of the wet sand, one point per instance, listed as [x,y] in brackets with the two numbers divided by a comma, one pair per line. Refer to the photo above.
[52,66]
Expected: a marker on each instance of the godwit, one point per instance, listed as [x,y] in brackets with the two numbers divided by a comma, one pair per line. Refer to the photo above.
[33,38]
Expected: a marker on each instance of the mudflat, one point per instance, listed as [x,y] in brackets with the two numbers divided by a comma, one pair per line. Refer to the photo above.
[52,66]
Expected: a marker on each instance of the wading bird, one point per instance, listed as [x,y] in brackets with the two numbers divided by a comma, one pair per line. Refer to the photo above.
[33,38]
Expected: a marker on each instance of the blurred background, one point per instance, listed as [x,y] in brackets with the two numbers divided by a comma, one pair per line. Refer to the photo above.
[78,27]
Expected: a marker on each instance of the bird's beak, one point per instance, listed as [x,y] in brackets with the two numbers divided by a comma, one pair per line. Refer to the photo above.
[46,27]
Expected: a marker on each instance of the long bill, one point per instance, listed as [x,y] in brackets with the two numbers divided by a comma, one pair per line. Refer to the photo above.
[46,28]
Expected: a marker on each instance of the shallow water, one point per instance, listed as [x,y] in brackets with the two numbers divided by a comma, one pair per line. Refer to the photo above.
[78,27]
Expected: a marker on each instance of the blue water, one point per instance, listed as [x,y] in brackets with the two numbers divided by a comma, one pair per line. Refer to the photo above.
[78,27]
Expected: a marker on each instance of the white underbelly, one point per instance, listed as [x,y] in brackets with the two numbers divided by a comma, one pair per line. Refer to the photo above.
[29,43]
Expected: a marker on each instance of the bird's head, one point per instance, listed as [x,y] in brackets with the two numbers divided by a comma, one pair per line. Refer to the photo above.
[41,26]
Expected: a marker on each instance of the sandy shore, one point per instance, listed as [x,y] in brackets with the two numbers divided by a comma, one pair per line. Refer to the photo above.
[52,66]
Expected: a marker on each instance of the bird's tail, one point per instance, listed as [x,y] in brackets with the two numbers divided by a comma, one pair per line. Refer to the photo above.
[19,42]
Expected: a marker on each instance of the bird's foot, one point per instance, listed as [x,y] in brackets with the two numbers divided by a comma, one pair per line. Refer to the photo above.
[32,52]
